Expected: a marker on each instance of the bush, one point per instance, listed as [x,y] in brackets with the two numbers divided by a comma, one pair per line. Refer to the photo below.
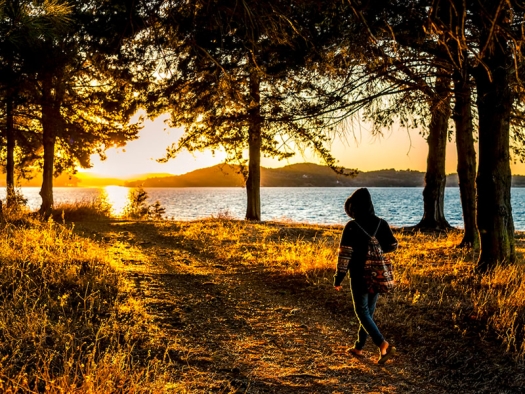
[138,207]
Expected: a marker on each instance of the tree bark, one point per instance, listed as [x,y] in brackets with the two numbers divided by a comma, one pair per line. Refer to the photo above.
[10,160]
[494,215]
[253,182]
[50,123]
[435,177]
[466,157]
[10,134]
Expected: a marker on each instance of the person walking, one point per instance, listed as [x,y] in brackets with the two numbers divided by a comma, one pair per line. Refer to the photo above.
[353,255]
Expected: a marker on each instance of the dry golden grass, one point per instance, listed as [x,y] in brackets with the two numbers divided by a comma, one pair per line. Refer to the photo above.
[430,270]
[89,209]
[228,306]
[63,327]
[434,273]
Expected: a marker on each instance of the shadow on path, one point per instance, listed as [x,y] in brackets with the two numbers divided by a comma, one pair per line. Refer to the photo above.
[237,326]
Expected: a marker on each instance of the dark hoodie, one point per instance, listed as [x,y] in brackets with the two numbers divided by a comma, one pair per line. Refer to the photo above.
[359,207]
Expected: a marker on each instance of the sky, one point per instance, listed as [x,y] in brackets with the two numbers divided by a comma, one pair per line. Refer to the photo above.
[398,148]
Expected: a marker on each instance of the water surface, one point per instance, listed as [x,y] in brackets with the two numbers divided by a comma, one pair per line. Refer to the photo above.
[400,206]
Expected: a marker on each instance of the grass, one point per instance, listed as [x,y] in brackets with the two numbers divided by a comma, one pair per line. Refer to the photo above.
[431,272]
[89,209]
[63,325]
[136,306]
[434,274]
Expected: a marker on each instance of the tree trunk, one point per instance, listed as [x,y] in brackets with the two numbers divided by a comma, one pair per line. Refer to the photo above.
[50,122]
[435,177]
[494,216]
[10,160]
[466,158]
[253,182]
[46,192]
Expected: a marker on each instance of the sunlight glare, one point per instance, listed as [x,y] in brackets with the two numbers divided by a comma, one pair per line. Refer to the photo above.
[118,198]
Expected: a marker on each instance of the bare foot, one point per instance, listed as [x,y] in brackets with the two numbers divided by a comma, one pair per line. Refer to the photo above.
[386,352]
[355,352]
[383,347]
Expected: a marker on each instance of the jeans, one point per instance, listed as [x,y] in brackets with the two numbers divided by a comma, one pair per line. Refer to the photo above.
[365,306]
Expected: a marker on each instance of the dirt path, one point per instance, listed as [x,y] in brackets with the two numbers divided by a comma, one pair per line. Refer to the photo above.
[243,327]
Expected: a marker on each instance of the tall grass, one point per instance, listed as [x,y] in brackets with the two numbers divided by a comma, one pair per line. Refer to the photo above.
[88,209]
[434,274]
[63,325]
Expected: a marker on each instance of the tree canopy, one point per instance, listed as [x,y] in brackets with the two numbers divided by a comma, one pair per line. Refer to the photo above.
[271,78]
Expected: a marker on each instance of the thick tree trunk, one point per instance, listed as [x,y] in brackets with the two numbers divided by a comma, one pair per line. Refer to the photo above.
[435,177]
[494,215]
[10,160]
[46,192]
[253,182]
[50,122]
[466,158]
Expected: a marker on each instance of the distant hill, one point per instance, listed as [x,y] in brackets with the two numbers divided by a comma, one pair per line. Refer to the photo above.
[81,179]
[90,179]
[518,181]
[224,175]
[294,175]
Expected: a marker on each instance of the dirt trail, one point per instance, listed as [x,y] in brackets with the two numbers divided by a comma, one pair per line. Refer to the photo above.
[235,328]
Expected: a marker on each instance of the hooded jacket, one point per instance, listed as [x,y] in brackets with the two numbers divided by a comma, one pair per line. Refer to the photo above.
[359,206]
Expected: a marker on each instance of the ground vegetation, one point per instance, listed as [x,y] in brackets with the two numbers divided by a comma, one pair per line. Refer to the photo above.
[223,305]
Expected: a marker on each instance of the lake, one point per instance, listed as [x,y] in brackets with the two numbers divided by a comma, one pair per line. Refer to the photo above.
[400,206]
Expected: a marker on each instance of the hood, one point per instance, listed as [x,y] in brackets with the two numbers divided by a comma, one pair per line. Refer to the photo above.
[359,204]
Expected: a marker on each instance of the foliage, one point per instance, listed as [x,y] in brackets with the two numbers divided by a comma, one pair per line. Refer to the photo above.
[138,207]
[93,100]
[23,25]
[19,200]
[214,58]
[156,211]
[74,98]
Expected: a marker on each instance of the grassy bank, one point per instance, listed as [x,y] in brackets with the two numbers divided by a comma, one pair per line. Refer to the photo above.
[160,306]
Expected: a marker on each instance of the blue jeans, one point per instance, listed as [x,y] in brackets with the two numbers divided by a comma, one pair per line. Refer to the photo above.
[365,306]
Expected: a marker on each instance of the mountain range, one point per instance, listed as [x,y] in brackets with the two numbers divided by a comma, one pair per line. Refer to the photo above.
[294,175]
[297,175]
[225,175]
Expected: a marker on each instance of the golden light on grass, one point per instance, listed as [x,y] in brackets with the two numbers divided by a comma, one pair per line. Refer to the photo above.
[164,306]
[61,320]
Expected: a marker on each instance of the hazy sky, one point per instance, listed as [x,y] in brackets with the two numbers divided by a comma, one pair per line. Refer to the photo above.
[397,148]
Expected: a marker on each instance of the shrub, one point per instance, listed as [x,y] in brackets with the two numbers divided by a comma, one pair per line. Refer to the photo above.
[138,207]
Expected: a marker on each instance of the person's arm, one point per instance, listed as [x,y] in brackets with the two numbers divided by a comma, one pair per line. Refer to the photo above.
[343,258]
[387,240]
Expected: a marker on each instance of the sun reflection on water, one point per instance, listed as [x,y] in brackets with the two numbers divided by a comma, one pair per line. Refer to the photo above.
[117,197]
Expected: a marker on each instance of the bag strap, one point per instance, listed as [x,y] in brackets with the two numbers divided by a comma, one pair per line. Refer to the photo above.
[375,232]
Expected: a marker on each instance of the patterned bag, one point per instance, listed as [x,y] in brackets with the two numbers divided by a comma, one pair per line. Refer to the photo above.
[379,275]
